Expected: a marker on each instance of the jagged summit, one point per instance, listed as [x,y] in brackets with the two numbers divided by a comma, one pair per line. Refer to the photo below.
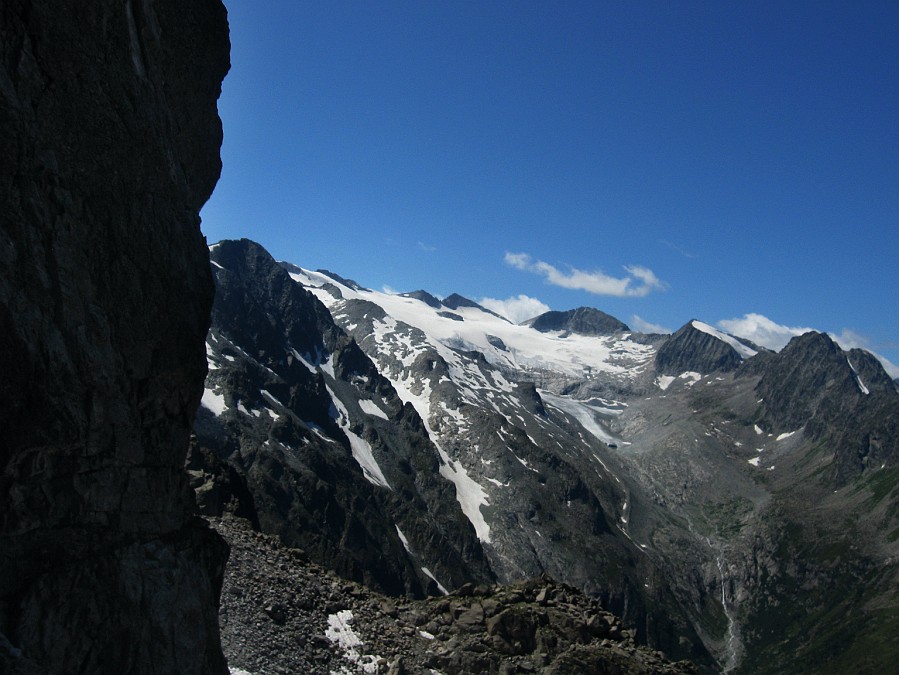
[846,398]
[583,320]
[700,348]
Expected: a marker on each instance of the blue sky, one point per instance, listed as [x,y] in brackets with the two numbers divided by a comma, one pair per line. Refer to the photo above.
[735,162]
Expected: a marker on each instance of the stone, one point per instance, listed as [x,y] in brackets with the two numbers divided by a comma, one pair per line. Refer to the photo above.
[110,148]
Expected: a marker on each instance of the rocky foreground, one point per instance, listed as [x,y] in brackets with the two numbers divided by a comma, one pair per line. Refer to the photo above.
[281,613]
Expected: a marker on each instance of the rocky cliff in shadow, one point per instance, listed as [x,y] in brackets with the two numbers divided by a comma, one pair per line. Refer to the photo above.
[110,145]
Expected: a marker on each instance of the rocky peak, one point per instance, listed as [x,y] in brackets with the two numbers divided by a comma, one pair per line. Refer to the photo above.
[845,398]
[693,350]
[583,320]
[425,297]
[455,301]
[111,146]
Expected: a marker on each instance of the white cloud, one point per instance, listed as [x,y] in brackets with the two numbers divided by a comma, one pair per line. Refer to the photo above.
[642,326]
[389,290]
[428,248]
[849,339]
[515,309]
[891,368]
[639,282]
[761,330]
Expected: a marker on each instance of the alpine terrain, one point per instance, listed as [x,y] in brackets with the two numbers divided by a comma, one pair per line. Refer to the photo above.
[736,507]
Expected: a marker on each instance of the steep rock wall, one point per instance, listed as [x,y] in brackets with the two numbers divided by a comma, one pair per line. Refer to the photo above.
[110,145]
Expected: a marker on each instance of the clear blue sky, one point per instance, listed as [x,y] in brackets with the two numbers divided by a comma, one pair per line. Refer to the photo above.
[661,161]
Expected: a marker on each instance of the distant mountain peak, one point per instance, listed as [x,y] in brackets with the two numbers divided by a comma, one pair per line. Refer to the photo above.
[455,301]
[582,320]
[349,283]
[425,297]
[744,348]
[700,348]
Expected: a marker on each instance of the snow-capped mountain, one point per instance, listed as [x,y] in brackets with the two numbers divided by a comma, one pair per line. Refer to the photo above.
[415,444]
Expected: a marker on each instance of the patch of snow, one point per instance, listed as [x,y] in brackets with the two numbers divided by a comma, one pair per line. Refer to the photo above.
[238,671]
[269,397]
[440,586]
[583,413]
[360,448]
[784,435]
[758,429]
[858,379]
[210,355]
[371,408]
[754,461]
[328,367]
[470,495]
[404,540]
[426,635]
[215,403]
[694,377]
[664,381]
[340,632]
[741,349]
[304,361]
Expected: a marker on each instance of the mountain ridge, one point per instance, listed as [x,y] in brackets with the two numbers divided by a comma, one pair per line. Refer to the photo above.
[647,486]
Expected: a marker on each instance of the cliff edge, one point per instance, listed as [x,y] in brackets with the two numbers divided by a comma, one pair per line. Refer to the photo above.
[110,144]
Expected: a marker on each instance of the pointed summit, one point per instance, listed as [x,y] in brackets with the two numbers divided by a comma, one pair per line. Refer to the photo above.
[700,348]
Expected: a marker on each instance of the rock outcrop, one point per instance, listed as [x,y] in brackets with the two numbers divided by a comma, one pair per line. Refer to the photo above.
[281,613]
[583,320]
[110,145]
[844,398]
[693,350]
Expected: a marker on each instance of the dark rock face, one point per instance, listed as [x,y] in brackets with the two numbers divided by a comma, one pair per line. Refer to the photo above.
[583,320]
[110,148]
[690,349]
[845,398]
[425,297]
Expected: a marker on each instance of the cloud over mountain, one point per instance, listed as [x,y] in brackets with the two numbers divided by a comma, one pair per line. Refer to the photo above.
[761,330]
[639,281]
[516,309]
[765,332]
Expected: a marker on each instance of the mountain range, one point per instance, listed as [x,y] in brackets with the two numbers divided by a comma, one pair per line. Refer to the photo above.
[735,506]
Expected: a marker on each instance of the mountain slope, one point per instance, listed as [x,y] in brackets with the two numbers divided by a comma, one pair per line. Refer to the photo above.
[335,462]
[684,480]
